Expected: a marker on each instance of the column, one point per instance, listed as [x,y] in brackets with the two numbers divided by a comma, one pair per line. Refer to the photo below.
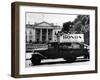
[41,35]
[47,35]
[52,35]
[26,36]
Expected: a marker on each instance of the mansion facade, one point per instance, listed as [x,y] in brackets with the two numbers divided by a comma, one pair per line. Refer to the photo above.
[41,32]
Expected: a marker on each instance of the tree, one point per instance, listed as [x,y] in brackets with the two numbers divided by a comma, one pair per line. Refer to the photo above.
[81,25]
[67,26]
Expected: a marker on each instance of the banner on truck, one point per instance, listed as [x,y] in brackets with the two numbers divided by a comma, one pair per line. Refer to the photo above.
[72,38]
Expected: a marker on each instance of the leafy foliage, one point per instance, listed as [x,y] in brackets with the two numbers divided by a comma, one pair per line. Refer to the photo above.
[79,26]
[67,26]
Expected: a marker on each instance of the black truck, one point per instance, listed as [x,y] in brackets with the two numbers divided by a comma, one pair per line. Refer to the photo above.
[55,50]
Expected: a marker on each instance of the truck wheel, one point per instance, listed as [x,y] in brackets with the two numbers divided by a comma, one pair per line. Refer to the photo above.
[35,59]
[70,59]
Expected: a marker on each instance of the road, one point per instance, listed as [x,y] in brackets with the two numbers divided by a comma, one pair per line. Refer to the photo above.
[58,62]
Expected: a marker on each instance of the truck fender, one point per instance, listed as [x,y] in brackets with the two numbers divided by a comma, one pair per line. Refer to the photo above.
[39,55]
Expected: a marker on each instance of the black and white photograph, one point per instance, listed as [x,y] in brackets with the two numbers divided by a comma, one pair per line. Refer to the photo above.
[56,39]
[51,39]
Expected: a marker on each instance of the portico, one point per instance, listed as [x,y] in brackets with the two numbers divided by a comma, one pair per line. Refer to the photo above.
[41,32]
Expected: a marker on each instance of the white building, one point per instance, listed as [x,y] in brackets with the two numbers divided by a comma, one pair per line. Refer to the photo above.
[42,32]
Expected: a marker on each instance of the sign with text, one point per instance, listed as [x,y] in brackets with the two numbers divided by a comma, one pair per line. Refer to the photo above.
[72,38]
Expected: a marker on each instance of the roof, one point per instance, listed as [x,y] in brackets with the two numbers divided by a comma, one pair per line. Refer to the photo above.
[42,24]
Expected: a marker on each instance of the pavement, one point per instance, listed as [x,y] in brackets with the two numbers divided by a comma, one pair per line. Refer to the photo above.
[59,61]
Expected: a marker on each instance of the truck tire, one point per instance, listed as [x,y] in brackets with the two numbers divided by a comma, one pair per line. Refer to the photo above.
[70,59]
[35,59]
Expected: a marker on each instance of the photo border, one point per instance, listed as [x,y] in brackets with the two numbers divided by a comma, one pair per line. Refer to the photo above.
[15,32]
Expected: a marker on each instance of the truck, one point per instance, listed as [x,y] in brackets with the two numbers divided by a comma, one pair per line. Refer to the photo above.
[67,49]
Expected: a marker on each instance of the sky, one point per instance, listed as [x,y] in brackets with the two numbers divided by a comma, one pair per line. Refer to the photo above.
[57,19]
